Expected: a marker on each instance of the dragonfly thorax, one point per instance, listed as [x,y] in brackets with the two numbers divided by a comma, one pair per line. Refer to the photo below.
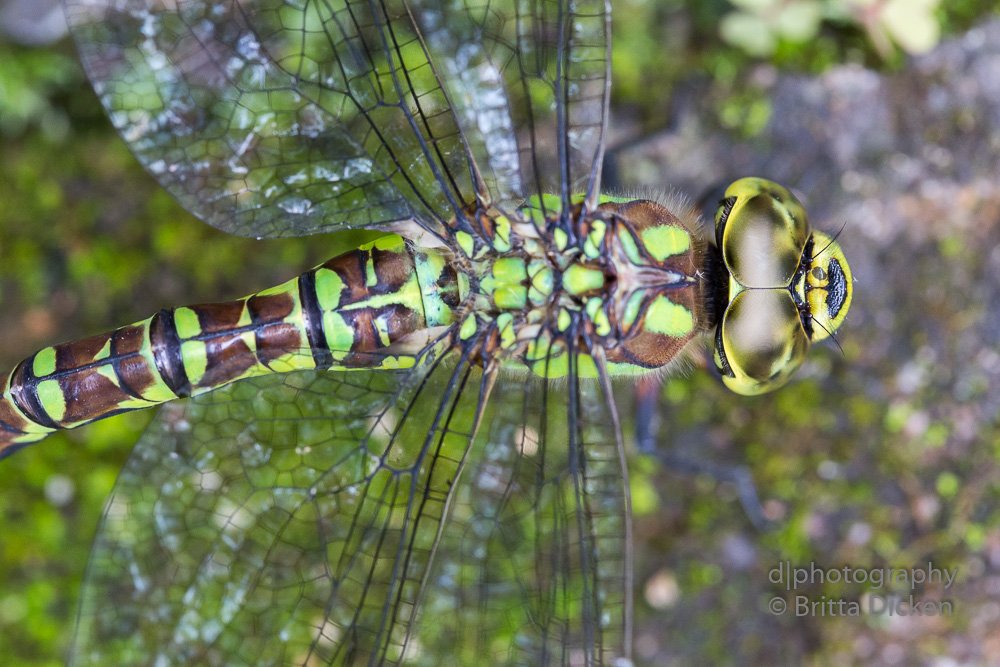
[629,288]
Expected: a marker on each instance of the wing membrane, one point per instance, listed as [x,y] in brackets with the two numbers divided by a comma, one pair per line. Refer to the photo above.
[275,118]
[272,118]
[552,58]
[281,520]
[559,81]
[532,568]
[294,520]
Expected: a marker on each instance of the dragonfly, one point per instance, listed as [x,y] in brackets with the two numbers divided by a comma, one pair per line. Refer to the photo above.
[412,453]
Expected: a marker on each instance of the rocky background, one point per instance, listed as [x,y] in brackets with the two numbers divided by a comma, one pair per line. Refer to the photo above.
[885,453]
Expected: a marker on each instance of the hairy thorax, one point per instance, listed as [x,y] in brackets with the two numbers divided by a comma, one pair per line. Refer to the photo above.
[627,286]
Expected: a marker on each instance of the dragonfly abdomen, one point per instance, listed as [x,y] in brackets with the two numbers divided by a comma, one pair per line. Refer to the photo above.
[350,312]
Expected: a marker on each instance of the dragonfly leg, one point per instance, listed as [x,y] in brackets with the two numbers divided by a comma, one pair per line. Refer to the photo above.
[647,427]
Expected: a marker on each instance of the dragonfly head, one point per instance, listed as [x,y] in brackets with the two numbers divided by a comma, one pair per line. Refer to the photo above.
[786,286]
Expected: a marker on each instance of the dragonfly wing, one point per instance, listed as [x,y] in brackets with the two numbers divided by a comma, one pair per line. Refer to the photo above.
[281,520]
[553,60]
[458,38]
[270,118]
[293,520]
[534,564]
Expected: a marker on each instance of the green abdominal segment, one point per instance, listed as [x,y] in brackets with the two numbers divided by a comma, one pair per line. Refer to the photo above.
[351,312]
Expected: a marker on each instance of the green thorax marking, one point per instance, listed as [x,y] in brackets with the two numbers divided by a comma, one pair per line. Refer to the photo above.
[630,284]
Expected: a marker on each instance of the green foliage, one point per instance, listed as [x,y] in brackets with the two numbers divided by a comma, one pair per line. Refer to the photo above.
[725,40]
[757,26]
[801,29]
[761,27]
[29,80]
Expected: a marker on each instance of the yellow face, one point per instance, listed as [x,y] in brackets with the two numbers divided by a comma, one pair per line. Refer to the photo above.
[788,286]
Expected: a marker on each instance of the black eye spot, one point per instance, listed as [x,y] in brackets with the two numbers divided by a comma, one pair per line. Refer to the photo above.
[836,291]
[819,273]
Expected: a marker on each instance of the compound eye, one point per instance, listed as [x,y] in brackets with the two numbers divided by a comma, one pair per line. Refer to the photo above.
[762,234]
[761,341]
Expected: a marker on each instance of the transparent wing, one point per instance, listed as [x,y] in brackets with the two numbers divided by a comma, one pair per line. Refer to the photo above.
[552,57]
[534,563]
[456,36]
[281,520]
[294,520]
[274,118]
